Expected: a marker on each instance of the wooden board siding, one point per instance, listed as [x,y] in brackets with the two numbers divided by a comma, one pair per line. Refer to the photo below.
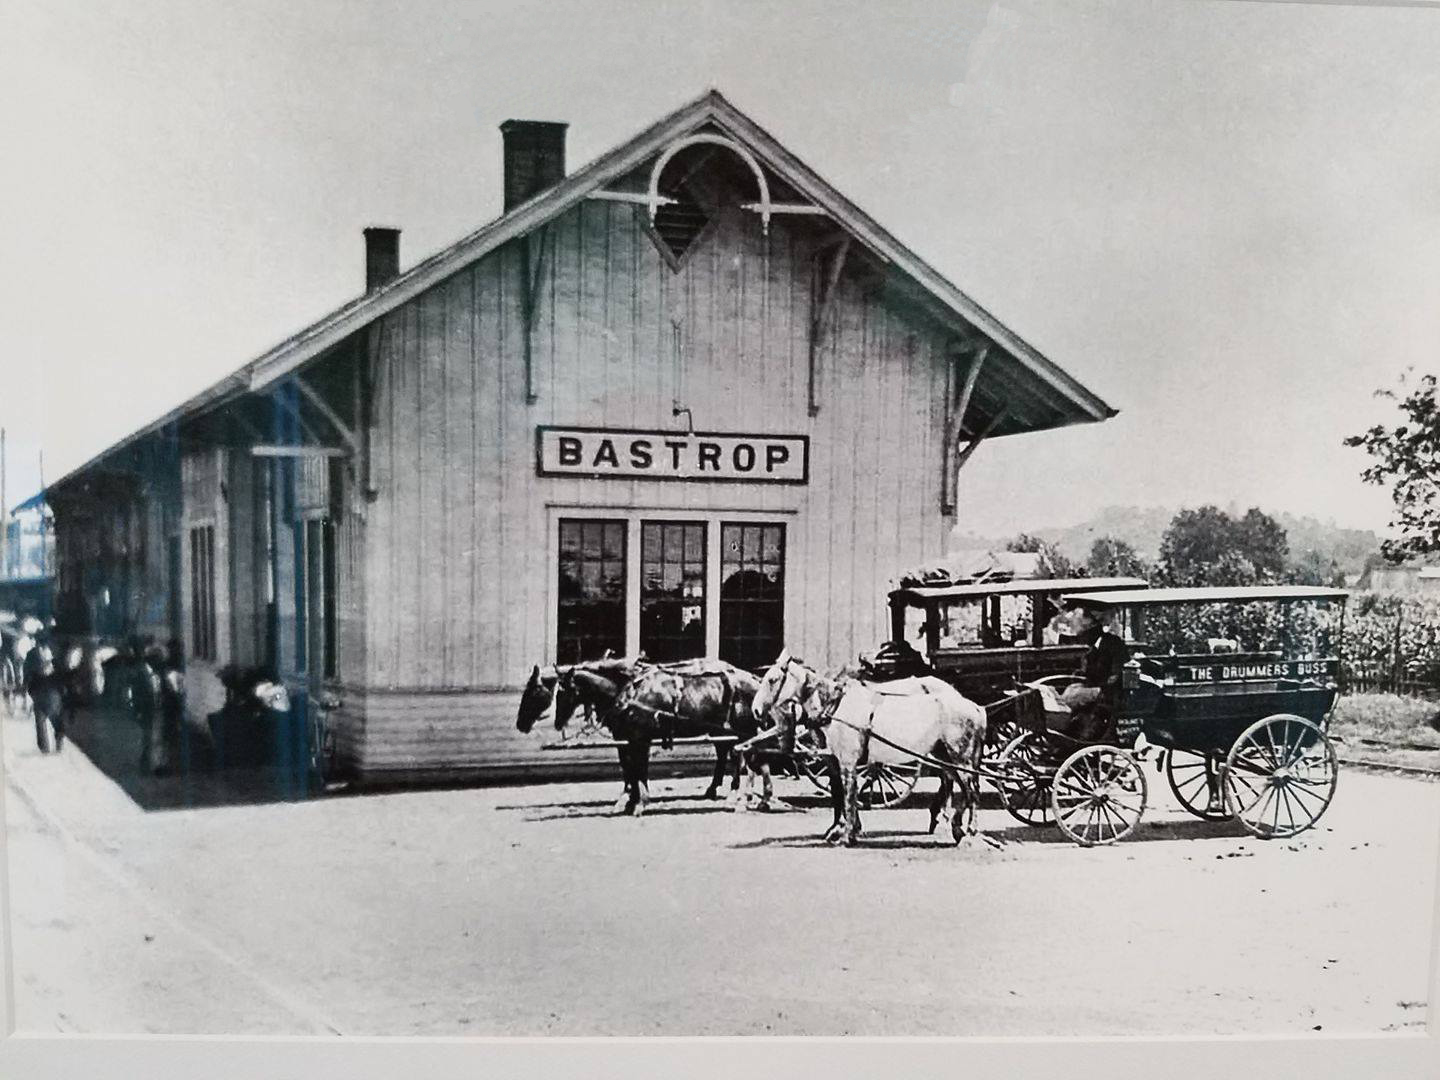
[203,471]
[458,574]
[389,737]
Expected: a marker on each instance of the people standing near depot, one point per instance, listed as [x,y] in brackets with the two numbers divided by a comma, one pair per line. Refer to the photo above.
[43,687]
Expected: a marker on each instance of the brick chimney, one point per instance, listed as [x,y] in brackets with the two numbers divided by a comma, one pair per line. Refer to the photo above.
[382,257]
[534,158]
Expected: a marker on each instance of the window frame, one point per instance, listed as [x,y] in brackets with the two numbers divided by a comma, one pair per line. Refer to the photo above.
[705,614]
[633,516]
[311,570]
[204,621]
[743,564]
[553,571]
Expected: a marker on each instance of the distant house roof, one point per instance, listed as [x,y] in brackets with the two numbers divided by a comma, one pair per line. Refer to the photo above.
[1031,393]
[34,502]
[1398,576]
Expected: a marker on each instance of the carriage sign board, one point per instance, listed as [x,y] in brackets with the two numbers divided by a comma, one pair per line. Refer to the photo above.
[623,454]
[1242,669]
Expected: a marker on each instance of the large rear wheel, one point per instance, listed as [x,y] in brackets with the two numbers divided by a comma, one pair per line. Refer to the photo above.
[1280,776]
[1098,795]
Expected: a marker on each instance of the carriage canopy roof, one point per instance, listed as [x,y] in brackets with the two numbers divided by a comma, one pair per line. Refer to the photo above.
[921,594]
[1208,594]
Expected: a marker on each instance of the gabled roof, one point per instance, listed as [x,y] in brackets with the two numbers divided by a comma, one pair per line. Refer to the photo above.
[710,109]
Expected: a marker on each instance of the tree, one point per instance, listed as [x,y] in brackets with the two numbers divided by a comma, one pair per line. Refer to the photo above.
[1053,563]
[1209,547]
[1407,458]
[1313,568]
[1262,540]
[1112,557]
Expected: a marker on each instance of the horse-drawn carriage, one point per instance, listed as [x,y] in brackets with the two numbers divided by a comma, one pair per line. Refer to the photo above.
[983,638]
[1240,732]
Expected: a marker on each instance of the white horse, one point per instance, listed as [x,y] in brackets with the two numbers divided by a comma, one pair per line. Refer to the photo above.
[893,722]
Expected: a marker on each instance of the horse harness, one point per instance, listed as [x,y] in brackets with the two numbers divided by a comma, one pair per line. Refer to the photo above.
[666,719]
[868,732]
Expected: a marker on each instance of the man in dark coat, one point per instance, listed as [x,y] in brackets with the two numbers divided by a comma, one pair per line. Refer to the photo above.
[147,705]
[43,685]
[1094,698]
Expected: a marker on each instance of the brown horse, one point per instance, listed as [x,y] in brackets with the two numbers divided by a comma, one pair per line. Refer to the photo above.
[595,685]
[663,703]
[892,722]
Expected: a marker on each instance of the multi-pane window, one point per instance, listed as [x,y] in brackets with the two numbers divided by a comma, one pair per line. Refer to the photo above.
[752,593]
[315,638]
[591,589]
[672,590]
[202,592]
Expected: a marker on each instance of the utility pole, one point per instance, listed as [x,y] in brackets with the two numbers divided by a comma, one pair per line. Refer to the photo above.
[43,503]
[4,515]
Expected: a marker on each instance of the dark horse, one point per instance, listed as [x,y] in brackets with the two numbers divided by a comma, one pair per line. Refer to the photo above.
[596,685]
[696,698]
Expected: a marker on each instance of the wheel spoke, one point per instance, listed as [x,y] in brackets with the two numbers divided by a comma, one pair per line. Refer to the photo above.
[1293,753]
[1257,806]
[1289,810]
[1113,821]
[1269,807]
[1266,751]
[1299,791]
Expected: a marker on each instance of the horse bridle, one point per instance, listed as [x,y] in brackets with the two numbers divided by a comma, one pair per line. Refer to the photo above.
[796,704]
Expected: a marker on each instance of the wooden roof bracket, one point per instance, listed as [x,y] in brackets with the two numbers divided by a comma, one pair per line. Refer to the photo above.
[532,268]
[821,313]
[279,401]
[310,394]
[957,406]
[974,443]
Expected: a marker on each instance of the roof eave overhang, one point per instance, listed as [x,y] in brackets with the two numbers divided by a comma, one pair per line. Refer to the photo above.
[1083,406]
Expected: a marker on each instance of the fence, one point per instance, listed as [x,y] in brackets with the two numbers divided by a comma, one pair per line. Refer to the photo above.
[1392,645]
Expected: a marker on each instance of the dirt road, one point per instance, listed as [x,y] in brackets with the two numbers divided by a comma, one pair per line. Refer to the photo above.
[531,910]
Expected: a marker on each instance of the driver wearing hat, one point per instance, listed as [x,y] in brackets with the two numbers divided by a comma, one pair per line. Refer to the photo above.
[1093,699]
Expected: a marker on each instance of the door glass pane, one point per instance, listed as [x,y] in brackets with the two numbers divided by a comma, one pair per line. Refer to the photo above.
[752,593]
[591,590]
[672,590]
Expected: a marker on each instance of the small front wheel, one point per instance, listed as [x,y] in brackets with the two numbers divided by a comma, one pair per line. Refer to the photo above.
[1195,780]
[1024,781]
[882,785]
[1098,795]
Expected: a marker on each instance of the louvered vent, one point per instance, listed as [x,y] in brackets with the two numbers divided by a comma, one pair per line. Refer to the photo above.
[679,224]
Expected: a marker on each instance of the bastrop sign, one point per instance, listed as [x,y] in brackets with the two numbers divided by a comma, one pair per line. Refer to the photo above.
[618,454]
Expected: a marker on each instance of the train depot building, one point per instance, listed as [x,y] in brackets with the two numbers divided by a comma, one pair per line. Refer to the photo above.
[687,400]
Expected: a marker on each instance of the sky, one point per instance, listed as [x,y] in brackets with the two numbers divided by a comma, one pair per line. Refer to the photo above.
[1223,217]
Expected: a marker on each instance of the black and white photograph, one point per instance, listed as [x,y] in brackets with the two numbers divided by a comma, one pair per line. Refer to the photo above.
[855,530]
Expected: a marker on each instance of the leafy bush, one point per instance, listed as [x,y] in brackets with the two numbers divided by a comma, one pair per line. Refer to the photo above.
[1391,639]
